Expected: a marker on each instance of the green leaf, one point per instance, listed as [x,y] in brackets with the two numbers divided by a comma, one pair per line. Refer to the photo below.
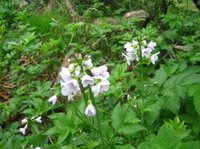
[171,101]
[190,145]
[196,99]
[62,136]
[126,146]
[152,112]
[130,128]
[121,115]
[160,76]
[167,138]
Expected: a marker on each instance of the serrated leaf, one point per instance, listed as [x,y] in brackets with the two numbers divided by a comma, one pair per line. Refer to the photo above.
[160,76]
[152,113]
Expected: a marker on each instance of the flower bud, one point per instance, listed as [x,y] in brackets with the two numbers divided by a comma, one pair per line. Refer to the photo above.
[90,110]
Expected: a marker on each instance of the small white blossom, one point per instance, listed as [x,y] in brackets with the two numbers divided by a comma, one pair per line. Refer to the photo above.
[65,74]
[104,86]
[154,58]
[53,100]
[128,47]
[87,80]
[88,63]
[39,119]
[100,71]
[152,45]
[101,87]
[24,121]
[90,110]
[146,52]
[23,130]
[73,86]
[38,147]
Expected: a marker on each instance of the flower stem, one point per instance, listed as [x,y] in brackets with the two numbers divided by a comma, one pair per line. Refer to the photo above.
[98,120]
[142,83]
[79,114]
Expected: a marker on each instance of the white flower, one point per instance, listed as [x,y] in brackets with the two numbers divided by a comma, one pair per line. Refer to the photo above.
[100,71]
[154,58]
[65,74]
[23,130]
[24,121]
[88,63]
[146,52]
[38,147]
[87,80]
[73,86]
[101,87]
[152,45]
[53,100]
[128,47]
[69,88]
[90,110]
[130,57]
[38,119]
[104,86]
[135,43]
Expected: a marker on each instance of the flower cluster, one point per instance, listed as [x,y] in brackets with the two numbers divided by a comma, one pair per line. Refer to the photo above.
[133,51]
[25,122]
[81,74]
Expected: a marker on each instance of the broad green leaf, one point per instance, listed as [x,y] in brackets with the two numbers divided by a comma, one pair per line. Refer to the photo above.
[62,136]
[190,145]
[167,138]
[196,99]
[130,128]
[160,76]
[122,114]
[152,112]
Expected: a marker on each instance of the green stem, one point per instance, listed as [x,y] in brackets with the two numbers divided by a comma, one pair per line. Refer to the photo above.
[98,120]
[83,119]
[82,91]
[142,83]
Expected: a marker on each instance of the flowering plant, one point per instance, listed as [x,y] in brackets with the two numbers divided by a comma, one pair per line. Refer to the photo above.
[140,49]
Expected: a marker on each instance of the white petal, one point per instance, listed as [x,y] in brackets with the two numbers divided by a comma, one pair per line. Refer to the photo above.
[38,119]
[24,121]
[96,90]
[65,74]
[146,52]
[23,130]
[87,80]
[88,63]
[73,86]
[152,45]
[154,58]
[104,86]
[65,90]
